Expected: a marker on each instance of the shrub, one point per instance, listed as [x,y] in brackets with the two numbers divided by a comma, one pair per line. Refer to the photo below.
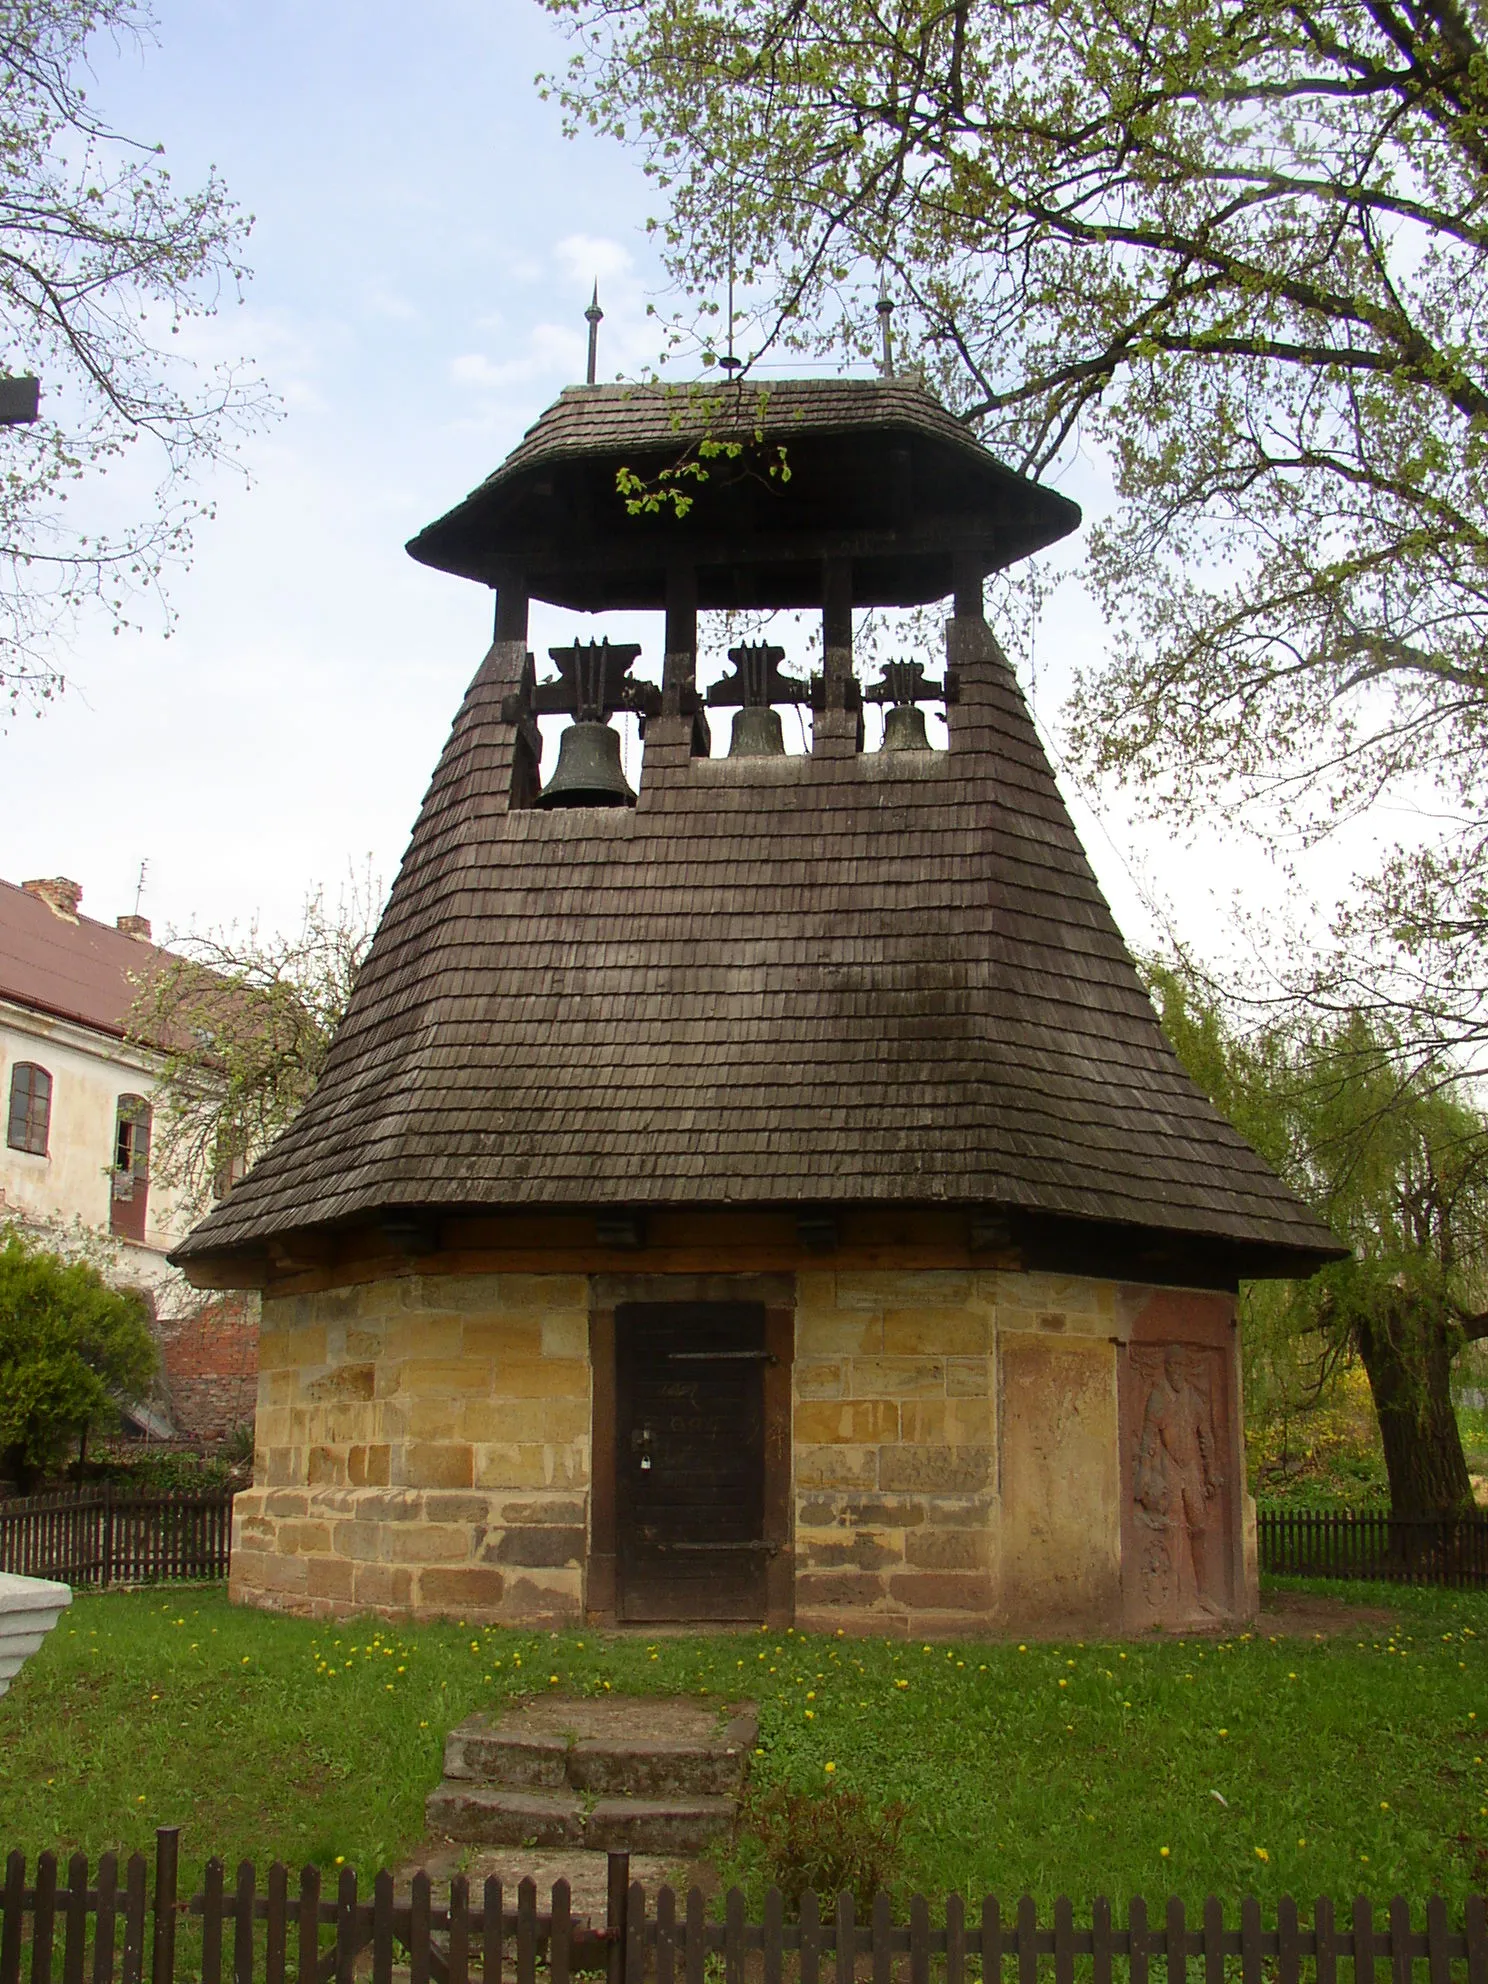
[831,1842]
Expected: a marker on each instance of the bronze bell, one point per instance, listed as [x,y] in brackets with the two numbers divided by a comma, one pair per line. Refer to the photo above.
[904,729]
[757,734]
[588,771]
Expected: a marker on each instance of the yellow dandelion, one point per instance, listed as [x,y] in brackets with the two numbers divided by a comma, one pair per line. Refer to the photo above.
[1261,1853]
[829,1768]
[1165,1851]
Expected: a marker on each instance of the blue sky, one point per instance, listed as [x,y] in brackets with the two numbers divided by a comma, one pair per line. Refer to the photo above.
[424,245]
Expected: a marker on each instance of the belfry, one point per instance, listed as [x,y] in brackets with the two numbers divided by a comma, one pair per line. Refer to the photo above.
[760,1191]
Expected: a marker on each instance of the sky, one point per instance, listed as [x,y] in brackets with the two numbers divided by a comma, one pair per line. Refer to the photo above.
[425,242]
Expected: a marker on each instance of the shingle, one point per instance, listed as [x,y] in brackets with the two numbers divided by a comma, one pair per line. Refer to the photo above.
[831,980]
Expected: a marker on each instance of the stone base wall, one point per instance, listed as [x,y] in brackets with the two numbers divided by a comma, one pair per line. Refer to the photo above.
[970,1452]
[956,1452]
[422,1447]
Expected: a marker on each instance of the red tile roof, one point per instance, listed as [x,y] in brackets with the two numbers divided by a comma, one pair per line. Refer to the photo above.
[83,971]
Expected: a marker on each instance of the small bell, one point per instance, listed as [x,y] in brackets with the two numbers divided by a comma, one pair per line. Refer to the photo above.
[757,734]
[588,771]
[904,729]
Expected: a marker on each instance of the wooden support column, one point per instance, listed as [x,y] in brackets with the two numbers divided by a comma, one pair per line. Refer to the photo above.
[970,649]
[681,731]
[511,604]
[836,730]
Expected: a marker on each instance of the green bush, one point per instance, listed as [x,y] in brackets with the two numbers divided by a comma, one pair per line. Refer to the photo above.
[70,1348]
[830,1842]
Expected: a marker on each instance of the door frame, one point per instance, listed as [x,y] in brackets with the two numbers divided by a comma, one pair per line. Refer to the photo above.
[777,1293]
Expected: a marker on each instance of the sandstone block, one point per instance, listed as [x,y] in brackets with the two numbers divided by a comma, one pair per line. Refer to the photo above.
[832,1334]
[325,1466]
[428,1543]
[933,1549]
[330,1577]
[526,1422]
[303,1539]
[531,1464]
[500,1336]
[544,1291]
[282,1502]
[941,1591]
[829,1588]
[837,1467]
[956,1470]
[283,1467]
[570,1509]
[541,1377]
[897,1377]
[816,1288]
[369,1466]
[361,1540]
[566,1336]
[968,1377]
[859,1550]
[429,1377]
[382,1585]
[957,1422]
[539,1547]
[462,1585]
[876,1511]
[435,1337]
[448,1505]
[940,1332]
[849,1422]
[343,1381]
[821,1378]
[438,1464]
[904,1288]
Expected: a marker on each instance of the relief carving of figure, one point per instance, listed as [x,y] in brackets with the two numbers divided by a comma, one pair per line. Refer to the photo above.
[1175,1485]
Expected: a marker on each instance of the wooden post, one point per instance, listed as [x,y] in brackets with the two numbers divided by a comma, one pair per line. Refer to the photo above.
[103,1924]
[10,1929]
[43,1918]
[617,1899]
[212,1919]
[243,1898]
[309,1926]
[493,1932]
[167,1865]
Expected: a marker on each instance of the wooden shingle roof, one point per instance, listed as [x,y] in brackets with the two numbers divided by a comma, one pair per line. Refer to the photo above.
[878,471]
[845,980]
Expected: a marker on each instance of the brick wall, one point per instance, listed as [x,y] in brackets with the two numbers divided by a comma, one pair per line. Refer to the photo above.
[210,1362]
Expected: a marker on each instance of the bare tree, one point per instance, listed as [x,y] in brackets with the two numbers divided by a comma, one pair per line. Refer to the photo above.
[105,270]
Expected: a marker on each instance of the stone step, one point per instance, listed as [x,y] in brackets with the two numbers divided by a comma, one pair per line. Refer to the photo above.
[491,1815]
[525,1751]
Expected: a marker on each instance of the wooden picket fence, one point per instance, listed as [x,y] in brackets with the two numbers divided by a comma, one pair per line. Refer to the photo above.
[1369,1543]
[243,1932]
[106,1536]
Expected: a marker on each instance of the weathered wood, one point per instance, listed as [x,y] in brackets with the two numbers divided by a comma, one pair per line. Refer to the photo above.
[347,1942]
[382,1928]
[1438,1941]
[276,1937]
[1400,1940]
[212,1920]
[955,1963]
[75,1920]
[105,1920]
[809,1930]
[919,1940]
[1177,1942]
[1102,1940]
[1364,1950]
[1475,1923]
[526,1933]
[135,1906]
[883,1939]
[560,1938]
[617,1900]
[1027,1940]
[1064,1940]
[244,1910]
[167,1872]
[1138,1941]
[43,1919]
[493,1932]
[733,1937]
[990,1939]
[697,1937]
[10,1929]
[666,1936]
[1325,1941]
[308,1923]
[635,1934]
[845,1940]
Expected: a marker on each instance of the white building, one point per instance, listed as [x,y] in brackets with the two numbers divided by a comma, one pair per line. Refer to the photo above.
[77,1095]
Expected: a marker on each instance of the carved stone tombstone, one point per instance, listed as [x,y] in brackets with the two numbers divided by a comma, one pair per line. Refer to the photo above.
[1182,1469]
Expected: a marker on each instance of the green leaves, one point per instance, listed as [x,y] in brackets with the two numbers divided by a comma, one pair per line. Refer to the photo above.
[71,1348]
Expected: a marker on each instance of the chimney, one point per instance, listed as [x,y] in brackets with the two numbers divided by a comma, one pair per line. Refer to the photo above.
[60,896]
[134,926]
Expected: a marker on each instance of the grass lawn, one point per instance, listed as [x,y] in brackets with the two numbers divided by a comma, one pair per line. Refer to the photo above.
[1247,1765]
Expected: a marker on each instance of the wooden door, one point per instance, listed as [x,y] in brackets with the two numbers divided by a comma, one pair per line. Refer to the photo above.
[690,1460]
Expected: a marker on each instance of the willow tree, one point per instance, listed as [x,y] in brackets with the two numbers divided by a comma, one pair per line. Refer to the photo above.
[1237,247]
[1392,1152]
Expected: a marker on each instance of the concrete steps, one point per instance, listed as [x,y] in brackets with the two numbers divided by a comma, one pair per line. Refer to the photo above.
[639,1775]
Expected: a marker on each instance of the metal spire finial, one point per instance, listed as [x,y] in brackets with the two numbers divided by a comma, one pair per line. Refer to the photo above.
[593,315]
[885,335]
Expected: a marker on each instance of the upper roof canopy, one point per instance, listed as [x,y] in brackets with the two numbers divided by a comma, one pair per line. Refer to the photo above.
[873,471]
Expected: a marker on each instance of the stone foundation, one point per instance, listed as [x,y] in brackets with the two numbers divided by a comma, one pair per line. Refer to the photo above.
[971,1452]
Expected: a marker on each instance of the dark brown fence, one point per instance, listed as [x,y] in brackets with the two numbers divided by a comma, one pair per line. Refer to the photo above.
[1355,1543]
[106,1535]
[239,1933]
